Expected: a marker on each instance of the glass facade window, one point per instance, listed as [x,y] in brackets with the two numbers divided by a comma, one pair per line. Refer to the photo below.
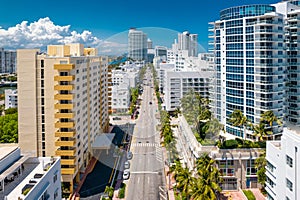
[245,11]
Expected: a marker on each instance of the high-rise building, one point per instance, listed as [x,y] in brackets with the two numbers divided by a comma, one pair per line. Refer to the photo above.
[7,61]
[282,170]
[250,63]
[62,104]
[11,98]
[293,70]
[149,44]
[187,41]
[137,44]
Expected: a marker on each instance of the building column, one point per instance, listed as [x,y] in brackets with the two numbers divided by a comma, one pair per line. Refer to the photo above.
[77,177]
[71,187]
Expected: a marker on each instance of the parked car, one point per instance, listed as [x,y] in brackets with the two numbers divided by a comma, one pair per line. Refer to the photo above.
[126,174]
[116,118]
[127,165]
[129,155]
[150,103]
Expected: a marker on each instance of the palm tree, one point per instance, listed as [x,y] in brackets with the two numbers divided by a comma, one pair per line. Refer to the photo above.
[212,128]
[109,190]
[269,117]
[185,181]
[260,165]
[238,119]
[207,184]
[175,169]
[260,131]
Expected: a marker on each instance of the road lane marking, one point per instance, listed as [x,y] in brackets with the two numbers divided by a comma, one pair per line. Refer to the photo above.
[148,179]
[144,172]
[138,180]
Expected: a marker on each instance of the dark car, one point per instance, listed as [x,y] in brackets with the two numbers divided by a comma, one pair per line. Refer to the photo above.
[150,103]
[117,118]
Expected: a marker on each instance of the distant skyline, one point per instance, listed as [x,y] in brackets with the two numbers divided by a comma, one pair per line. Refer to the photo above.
[93,21]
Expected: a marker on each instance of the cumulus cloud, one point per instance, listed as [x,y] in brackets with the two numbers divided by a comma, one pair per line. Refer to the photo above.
[41,33]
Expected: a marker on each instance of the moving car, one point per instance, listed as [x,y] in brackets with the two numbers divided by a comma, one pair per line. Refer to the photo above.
[117,118]
[150,103]
[129,155]
[126,174]
[127,165]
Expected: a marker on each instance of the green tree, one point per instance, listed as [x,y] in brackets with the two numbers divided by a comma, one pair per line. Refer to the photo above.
[11,111]
[9,128]
[238,119]
[109,190]
[207,185]
[260,131]
[185,181]
[269,118]
[260,165]
[212,128]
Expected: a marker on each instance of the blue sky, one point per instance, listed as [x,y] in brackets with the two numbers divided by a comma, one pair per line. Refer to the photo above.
[105,18]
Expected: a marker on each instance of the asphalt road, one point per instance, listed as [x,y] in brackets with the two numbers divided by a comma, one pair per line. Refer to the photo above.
[146,170]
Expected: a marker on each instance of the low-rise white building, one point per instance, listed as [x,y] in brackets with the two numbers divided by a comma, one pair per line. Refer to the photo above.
[177,84]
[120,97]
[283,166]
[25,177]
[11,99]
[237,166]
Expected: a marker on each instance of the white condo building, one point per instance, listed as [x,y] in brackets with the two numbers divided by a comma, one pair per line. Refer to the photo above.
[137,44]
[7,61]
[189,42]
[11,98]
[250,62]
[283,166]
[25,177]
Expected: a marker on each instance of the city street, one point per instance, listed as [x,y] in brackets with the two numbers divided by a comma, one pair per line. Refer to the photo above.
[146,171]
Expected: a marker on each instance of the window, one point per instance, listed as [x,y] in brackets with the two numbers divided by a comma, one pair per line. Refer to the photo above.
[289,184]
[54,178]
[289,161]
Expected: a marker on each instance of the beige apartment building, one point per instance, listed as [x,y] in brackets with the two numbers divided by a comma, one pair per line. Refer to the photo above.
[63,104]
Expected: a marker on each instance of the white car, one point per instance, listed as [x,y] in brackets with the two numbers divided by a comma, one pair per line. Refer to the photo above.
[129,155]
[126,174]
[127,165]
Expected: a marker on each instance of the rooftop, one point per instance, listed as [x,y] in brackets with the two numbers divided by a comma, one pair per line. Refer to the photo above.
[6,149]
[37,167]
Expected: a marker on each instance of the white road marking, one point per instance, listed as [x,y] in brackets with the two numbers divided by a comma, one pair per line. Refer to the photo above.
[138,179]
[144,172]
[148,179]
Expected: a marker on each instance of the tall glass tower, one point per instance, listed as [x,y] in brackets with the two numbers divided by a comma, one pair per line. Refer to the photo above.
[248,44]
[137,44]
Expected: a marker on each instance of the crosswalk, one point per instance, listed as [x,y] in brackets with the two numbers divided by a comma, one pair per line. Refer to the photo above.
[142,144]
[158,150]
[158,154]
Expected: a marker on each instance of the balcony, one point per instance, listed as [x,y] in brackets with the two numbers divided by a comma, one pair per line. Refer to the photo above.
[63,143]
[65,134]
[64,78]
[63,87]
[64,125]
[68,171]
[63,97]
[63,106]
[64,66]
[71,161]
[64,115]
[70,152]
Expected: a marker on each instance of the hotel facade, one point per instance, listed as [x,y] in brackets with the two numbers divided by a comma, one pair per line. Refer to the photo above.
[62,104]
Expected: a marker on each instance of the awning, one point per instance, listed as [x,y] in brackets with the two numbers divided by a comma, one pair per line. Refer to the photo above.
[103,141]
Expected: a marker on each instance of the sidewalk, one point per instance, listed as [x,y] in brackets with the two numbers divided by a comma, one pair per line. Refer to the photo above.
[258,195]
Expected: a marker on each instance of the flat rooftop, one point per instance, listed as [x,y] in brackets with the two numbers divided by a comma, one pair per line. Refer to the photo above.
[6,149]
[36,173]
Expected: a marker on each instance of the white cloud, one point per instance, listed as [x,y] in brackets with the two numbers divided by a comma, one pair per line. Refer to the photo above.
[44,32]
[41,33]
